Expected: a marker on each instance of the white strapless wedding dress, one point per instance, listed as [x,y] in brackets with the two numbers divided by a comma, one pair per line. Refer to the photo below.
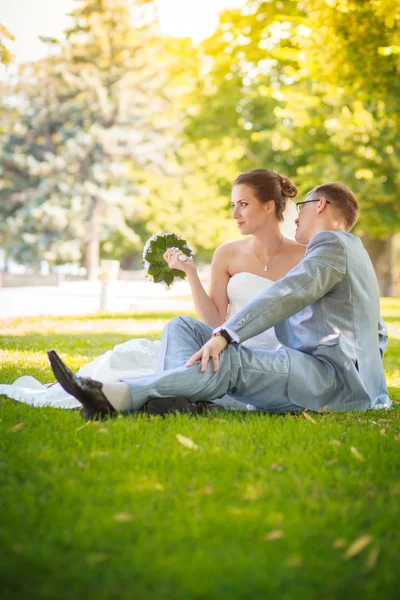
[138,357]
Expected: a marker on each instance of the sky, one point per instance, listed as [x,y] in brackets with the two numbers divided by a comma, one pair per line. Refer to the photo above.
[28,19]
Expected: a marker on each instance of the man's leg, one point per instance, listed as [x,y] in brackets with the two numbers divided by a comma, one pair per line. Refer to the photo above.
[181,338]
[255,375]
[174,355]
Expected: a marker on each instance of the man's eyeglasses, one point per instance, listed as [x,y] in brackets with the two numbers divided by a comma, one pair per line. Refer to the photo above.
[300,205]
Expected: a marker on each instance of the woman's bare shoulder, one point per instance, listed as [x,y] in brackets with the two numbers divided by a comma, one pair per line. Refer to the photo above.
[228,248]
[295,248]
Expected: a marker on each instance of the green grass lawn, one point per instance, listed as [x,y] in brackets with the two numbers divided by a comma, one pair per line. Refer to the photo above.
[262,507]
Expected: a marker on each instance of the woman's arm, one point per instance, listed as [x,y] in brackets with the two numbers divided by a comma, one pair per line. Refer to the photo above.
[211,308]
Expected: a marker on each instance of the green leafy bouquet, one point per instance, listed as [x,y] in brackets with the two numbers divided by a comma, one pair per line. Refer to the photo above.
[155,266]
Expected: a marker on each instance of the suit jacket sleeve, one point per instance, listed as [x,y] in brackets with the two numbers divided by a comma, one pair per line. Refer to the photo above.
[323,268]
[383,336]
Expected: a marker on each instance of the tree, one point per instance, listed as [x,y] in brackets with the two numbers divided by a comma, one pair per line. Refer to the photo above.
[68,166]
[185,198]
[310,89]
[362,57]
[6,56]
[189,200]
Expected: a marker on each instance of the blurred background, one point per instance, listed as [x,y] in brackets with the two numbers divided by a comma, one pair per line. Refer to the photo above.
[122,118]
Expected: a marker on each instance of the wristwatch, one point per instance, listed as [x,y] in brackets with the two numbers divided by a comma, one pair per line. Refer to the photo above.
[223,333]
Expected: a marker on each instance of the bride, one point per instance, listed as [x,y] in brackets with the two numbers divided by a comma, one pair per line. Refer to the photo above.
[240,270]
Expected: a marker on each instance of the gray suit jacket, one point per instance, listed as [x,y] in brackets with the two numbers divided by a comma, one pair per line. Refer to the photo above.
[326,314]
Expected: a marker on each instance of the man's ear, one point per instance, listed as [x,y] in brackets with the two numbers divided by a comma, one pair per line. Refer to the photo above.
[322,204]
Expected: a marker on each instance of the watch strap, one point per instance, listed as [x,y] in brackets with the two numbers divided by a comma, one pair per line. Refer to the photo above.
[223,333]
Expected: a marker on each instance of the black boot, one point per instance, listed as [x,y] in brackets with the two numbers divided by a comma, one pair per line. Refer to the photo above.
[163,406]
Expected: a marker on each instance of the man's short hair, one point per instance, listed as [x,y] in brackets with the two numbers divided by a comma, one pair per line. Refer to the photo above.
[343,200]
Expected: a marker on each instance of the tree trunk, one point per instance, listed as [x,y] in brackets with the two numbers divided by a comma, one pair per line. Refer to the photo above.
[92,257]
[380,252]
[6,260]
[132,261]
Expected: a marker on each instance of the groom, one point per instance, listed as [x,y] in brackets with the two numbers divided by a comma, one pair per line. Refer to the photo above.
[326,315]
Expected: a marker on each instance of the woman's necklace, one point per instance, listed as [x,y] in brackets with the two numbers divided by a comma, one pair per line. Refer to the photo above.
[266,266]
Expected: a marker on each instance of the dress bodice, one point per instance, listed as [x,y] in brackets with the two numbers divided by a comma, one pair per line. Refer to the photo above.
[242,288]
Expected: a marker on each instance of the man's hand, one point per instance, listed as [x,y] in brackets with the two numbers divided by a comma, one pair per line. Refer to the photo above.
[212,349]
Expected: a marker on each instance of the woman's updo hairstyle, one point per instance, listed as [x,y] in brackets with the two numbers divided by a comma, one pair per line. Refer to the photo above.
[269,185]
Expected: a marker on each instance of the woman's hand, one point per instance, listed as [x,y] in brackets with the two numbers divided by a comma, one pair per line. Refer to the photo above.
[212,349]
[172,258]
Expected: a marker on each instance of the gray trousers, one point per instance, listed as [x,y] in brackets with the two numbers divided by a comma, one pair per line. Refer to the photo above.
[256,377]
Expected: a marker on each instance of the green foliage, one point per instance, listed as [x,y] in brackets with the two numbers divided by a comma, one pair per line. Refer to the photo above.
[121,132]
[87,113]
[155,265]
[121,507]
[309,89]
[6,56]
[193,197]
